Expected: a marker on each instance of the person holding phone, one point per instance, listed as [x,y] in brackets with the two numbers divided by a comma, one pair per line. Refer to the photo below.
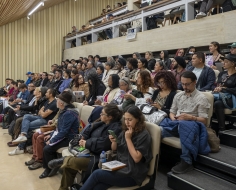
[133,149]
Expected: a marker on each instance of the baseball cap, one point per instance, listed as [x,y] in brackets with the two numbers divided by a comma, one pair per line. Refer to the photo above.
[233,45]
[28,73]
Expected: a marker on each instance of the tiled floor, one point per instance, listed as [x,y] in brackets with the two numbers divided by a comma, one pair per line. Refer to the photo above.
[15,175]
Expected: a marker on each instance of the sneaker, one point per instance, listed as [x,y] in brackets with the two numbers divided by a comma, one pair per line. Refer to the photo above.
[28,163]
[35,166]
[20,139]
[16,152]
[200,15]
[182,167]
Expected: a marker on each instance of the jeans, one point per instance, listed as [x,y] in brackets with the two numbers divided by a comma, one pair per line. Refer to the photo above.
[206,6]
[31,122]
[109,33]
[102,180]
[186,156]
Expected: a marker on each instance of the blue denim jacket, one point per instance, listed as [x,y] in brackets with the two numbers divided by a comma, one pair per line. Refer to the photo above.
[67,125]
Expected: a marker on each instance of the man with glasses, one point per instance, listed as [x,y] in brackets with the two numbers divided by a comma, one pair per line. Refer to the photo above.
[44,80]
[232,48]
[205,75]
[189,105]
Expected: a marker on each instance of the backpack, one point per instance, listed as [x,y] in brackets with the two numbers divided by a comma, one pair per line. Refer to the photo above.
[213,140]
[5,125]
[229,5]
[151,23]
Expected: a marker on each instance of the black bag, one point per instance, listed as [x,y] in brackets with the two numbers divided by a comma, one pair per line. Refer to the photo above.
[1,107]
[228,6]
[151,23]
[2,92]
[5,125]
[11,128]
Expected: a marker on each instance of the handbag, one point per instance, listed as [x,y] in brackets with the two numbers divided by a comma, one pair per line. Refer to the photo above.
[225,97]
[213,140]
[152,114]
[46,128]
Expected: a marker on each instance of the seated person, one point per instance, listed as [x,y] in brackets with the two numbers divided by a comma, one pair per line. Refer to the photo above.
[100,71]
[132,65]
[159,66]
[108,31]
[205,7]
[66,82]
[36,79]
[137,156]
[51,81]
[164,55]
[109,69]
[96,88]
[80,85]
[142,66]
[188,106]
[73,74]
[179,68]
[151,61]
[31,122]
[111,90]
[162,98]
[13,91]
[205,75]
[226,83]
[67,127]
[44,80]
[90,69]
[121,63]
[144,85]
[96,140]
[57,79]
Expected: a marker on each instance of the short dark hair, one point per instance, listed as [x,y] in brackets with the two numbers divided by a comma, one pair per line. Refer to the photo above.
[144,61]
[101,67]
[90,56]
[200,55]
[22,86]
[45,73]
[59,71]
[14,83]
[75,72]
[7,79]
[189,75]
[97,56]
[53,92]
[85,58]
[133,62]
[113,111]
[68,72]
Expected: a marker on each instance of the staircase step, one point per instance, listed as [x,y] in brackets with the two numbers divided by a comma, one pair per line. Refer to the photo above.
[223,161]
[197,180]
[228,137]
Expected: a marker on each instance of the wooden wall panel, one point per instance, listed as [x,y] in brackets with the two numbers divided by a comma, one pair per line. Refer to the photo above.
[35,44]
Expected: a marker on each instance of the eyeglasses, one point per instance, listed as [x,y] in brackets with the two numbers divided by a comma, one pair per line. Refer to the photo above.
[102,114]
[186,84]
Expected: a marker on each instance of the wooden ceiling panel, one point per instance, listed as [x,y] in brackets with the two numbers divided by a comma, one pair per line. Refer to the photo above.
[12,10]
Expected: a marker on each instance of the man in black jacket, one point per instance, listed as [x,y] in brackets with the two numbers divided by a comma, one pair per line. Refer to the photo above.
[51,81]
[44,80]
[58,79]
[205,75]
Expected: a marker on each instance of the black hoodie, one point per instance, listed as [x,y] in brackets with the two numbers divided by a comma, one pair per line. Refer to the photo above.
[166,60]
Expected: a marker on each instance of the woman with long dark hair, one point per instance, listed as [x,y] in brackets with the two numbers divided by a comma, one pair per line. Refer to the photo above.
[80,85]
[165,58]
[96,88]
[137,156]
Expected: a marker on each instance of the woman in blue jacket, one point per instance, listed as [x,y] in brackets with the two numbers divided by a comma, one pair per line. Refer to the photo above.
[67,127]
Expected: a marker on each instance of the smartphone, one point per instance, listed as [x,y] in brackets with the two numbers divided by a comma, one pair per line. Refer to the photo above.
[113,134]
[79,148]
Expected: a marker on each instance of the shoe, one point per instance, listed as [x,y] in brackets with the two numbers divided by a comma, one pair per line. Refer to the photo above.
[45,173]
[20,139]
[200,15]
[16,152]
[56,163]
[11,145]
[32,161]
[54,171]
[35,166]
[182,167]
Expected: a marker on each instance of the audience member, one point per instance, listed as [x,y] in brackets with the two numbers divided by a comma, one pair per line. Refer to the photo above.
[111,90]
[90,69]
[80,85]
[129,151]
[74,30]
[90,58]
[109,8]
[136,55]
[51,81]
[180,53]
[73,75]
[44,80]
[214,48]
[97,60]
[96,140]
[159,66]
[193,119]
[66,82]
[179,68]
[121,67]
[29,78]
[150,60]
[100,71]
[12,95]
[226,83]
[132,65]
[205,75]
[108,31]
[164,55]
[36,79]
[67,127]
[142,66]
[232,48]
[96,88]
[109,65]
[104,12]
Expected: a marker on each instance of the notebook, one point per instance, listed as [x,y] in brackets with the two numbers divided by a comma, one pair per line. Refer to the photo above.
[113,165]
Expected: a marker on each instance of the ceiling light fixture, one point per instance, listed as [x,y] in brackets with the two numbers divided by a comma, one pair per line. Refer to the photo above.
[31,12]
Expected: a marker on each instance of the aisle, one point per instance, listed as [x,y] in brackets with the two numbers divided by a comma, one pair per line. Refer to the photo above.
[15,175]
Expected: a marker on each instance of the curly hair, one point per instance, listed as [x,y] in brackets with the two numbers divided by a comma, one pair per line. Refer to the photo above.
[77,79]
[146,82]
[168,77]
[137,114]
